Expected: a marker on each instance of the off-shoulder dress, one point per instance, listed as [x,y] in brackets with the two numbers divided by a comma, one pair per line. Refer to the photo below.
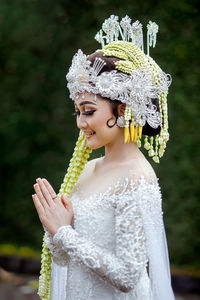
[116,247]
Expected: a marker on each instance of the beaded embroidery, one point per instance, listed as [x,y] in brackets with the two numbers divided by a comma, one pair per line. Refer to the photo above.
[107,245]
[136,89]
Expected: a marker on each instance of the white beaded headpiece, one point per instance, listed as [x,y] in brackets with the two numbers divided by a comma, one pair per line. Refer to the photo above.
[137,80]
[112,30]
[136,89]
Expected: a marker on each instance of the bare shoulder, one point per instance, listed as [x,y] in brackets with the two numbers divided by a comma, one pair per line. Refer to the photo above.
[88,169]
[141,167]
[91,163]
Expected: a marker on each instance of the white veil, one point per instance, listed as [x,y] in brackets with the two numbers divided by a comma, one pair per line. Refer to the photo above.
[159,270]
[59,281]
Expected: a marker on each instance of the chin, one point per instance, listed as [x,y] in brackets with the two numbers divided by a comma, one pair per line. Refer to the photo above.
[94,146]
[97,141]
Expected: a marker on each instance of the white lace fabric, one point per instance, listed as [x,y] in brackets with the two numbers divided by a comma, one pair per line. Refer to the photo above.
[105,251]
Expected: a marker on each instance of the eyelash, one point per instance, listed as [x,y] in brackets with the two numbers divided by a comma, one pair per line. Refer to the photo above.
[87,113]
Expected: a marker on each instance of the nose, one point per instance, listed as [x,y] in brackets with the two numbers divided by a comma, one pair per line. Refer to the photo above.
[81,122]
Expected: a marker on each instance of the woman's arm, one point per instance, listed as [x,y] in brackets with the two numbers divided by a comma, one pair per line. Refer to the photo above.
[122,268]
[60,257]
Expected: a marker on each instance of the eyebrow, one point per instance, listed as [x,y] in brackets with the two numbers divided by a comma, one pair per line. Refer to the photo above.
[86,102]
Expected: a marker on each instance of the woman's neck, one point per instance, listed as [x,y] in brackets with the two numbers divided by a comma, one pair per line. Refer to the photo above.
[120,152]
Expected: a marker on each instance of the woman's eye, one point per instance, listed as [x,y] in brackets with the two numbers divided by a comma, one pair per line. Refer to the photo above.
[86,113]
[76,113]
[89,112]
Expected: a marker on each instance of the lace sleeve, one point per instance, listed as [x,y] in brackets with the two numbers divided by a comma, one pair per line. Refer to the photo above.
[122,268]
[60,257]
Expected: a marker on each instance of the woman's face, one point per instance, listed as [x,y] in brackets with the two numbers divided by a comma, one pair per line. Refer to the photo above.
[92,118]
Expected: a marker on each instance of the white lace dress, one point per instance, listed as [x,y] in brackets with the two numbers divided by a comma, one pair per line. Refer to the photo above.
[105,253]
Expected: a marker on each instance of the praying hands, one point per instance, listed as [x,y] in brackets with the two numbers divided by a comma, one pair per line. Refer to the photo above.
[52,212]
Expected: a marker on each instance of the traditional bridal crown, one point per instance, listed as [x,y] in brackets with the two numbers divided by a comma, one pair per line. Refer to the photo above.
[139,81]
[112,30]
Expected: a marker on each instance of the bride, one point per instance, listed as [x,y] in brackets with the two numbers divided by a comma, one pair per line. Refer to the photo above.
[104,231]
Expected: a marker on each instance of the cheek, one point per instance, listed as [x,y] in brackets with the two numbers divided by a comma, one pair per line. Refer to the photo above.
[99,122]
[104,134]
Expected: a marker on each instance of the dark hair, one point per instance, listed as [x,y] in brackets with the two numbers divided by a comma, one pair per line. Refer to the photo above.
[110,66]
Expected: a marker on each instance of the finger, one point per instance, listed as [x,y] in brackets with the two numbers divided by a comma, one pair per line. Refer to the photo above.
[64,201]
[38,205]
[40,209]
[68,203]
[50,189]
[40,195]
[45,192]
[70,207]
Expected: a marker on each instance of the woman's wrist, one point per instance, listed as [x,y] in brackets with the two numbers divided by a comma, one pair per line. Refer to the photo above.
[60,228]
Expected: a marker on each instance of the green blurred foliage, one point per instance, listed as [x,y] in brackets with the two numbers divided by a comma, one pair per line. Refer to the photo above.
[11,250]
[38,133]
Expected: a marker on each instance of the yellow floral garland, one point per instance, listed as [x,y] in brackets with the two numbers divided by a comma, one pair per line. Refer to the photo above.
[77,163]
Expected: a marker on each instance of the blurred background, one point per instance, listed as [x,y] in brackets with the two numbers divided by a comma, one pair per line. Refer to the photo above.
[38,132]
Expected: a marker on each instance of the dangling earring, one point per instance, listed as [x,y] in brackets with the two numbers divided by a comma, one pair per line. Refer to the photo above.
[110,126]
[121,121]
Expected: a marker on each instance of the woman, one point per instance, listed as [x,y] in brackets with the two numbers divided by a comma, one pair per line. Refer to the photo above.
[106,236]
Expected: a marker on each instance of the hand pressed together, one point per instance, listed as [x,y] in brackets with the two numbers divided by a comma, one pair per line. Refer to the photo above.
[52,212]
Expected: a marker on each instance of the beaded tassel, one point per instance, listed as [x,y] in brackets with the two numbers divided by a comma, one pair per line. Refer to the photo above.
[127,133]
[136,134]
[155,158]
[146,143]
[151,150]
[132,127]
[140,131]
[132,131]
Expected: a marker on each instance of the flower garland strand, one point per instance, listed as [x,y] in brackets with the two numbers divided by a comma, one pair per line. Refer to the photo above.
[77,163]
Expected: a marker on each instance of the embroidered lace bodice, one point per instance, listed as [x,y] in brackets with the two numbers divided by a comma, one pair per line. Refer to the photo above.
[103,255]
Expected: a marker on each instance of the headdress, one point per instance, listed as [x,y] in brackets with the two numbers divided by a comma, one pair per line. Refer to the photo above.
[137,80]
